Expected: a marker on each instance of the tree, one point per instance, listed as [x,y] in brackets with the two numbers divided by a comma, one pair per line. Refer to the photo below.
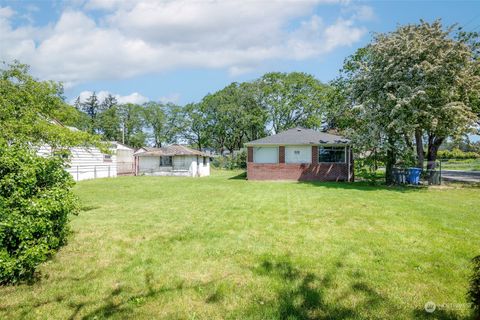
[165,121]
[108,120]
[234,116]
[196,126]
[131,119]
[91,107]
[292,99]
[412,85]
[35,192]
[29,111]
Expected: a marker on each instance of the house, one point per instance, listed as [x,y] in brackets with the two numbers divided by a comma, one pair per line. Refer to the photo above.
[90,163]
[174,160]
[300,154]
[125,159]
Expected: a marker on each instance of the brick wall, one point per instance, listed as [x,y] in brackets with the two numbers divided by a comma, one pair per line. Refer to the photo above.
[292,171]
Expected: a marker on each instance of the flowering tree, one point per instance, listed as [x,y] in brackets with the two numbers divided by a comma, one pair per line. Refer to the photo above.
[417,85]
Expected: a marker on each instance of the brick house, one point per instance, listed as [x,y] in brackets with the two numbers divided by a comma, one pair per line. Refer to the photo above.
[300,154]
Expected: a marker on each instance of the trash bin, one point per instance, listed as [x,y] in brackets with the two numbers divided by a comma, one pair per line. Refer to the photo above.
[434,177]
[414,175]
[399,176]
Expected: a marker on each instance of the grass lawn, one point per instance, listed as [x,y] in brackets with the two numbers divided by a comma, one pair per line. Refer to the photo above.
[463,165]
[225,248]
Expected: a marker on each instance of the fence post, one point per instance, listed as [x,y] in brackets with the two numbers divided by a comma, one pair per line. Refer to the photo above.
[109,171]
[77,173]
[94,171]
[440,167]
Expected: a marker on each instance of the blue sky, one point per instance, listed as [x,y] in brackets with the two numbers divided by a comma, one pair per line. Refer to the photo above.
[181,50]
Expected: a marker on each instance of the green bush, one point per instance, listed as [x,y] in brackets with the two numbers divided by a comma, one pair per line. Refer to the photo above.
[457,154]
[35,203]
[474,292]
[231,162]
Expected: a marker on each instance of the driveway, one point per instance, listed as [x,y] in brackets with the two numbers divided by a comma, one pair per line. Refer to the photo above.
[461,176]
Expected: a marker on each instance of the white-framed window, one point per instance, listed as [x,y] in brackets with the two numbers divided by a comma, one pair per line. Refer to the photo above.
[107,158]
[298,154]
[332,154]
[265,154]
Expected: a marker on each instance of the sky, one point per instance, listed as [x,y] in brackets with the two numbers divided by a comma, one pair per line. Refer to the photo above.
[180,50]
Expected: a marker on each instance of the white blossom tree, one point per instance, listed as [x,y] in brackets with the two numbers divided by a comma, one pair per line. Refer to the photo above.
[419,84]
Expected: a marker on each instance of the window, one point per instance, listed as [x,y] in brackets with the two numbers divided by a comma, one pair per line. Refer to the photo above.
[107,158]
[298,154]
[204,161]
[165,161]
[265,155]
[331,154]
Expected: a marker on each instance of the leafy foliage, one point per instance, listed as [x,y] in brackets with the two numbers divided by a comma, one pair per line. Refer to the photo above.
[474,291]
[412,85]
[231,161]
[35,195]
[457,154]
[35,203]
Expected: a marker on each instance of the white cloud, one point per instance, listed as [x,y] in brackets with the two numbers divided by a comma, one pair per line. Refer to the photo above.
[135,97]
[173,98]
[136,37]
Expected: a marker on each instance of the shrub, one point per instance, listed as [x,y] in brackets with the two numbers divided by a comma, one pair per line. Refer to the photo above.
[35,203]
[230,162]
[457,154]
[474,292]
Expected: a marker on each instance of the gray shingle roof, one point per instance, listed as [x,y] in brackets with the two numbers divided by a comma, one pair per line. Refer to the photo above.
[173,150]
[300,136]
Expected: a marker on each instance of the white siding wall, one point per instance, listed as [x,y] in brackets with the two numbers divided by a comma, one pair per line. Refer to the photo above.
[265,154]
[150,165]
[298,154]
[204,170]
[87,163]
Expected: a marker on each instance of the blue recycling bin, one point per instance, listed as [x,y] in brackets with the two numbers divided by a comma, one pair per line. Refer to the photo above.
[414,175]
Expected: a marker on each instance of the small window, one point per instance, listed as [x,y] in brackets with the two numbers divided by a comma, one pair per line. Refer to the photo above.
[297,152]
[204,161]
[165,161]
[107,158]
[331,154]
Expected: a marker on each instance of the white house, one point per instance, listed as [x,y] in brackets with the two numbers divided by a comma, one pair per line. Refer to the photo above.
[90,163]
[174,160]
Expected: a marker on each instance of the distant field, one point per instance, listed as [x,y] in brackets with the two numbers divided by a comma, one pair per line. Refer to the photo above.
[464,165]
[225,248]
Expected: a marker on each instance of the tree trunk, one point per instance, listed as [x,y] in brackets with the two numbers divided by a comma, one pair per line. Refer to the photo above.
[434,144]
[419,146]
[390,162]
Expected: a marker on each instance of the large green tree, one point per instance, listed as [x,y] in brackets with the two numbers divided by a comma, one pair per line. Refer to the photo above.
[292,99]
[108,120]
[164,120]
[234,116]
[132,125]
[416,85]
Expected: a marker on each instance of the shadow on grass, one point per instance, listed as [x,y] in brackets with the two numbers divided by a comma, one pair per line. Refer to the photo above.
[360,185]
[303,295]
[241,176]
[363,186]
[114,305]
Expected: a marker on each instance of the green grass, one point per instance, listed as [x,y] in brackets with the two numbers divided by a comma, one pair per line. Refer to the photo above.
[464,165]
[225,248]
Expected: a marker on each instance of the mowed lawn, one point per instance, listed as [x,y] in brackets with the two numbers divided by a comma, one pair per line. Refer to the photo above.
[224,248]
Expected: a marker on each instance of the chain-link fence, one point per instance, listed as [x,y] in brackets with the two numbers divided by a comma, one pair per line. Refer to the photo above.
[438,172]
